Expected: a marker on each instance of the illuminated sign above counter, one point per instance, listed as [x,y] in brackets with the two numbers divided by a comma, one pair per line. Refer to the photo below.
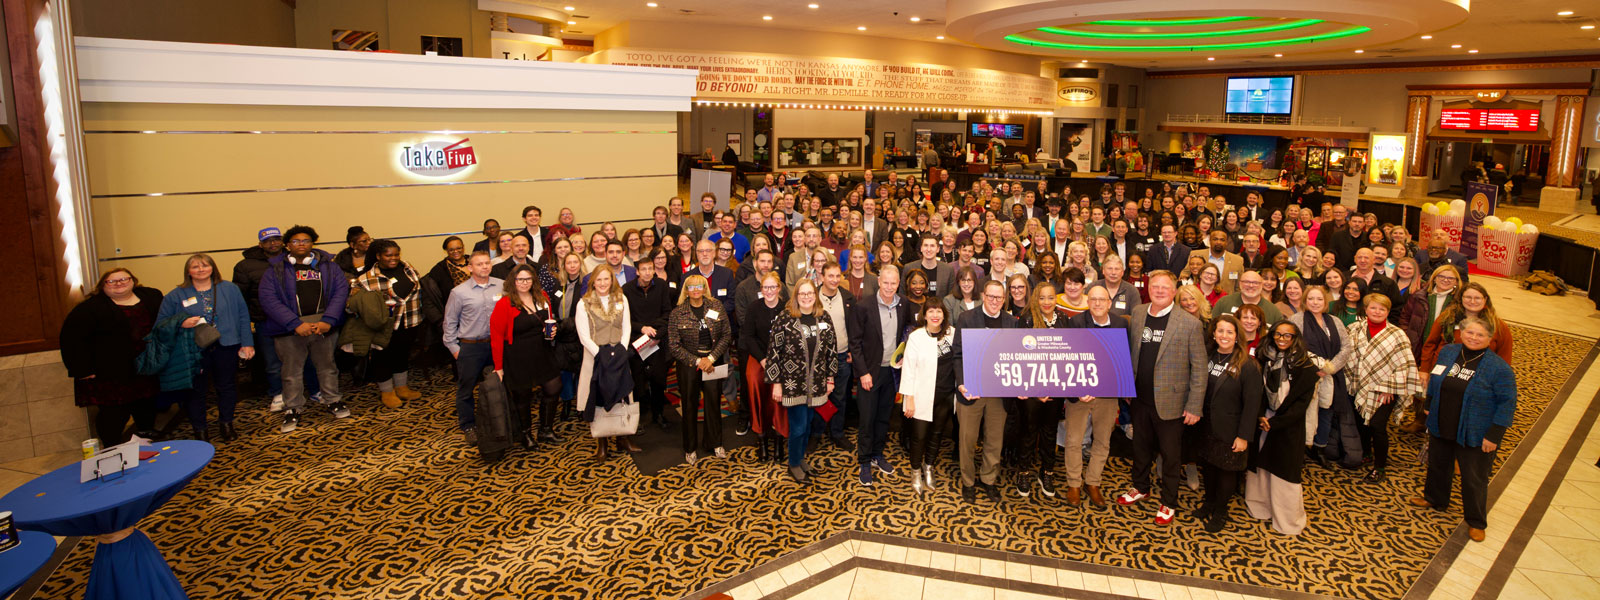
[438,158]
[1489,119]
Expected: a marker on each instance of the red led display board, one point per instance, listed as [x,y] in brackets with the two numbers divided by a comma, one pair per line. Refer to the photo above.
[1489,119]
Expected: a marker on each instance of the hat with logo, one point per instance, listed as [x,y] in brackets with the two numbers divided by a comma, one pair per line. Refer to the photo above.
[270,232]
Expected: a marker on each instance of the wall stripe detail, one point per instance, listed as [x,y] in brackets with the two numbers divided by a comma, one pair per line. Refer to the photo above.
[336,242]
[378,186]
[353,132]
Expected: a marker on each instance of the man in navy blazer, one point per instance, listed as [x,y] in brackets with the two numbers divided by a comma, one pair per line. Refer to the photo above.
[877,326]
[1169,255]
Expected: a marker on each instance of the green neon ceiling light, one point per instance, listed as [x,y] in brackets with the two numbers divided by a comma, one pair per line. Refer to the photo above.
[1168,22]
[1183,34]
[1017,39]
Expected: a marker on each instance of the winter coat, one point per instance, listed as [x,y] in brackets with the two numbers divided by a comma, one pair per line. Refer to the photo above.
[170,352]
[96,339]
[372,323]
[281,305]
[803,374]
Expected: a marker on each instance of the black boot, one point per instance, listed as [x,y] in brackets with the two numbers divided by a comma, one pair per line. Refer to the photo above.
[229,433]
[761,449]
[780,448]
[547,418]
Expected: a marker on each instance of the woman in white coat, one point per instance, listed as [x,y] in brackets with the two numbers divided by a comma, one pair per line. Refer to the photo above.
[602,323]
[928,389]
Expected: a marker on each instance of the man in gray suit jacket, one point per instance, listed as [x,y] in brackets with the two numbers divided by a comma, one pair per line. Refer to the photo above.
[1169,365]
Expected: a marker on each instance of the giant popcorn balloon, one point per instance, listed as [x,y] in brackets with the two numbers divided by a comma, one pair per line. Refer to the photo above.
[1491,222]
[1458,205]
[1515,220]
[1508,227]
[1444,207]
[1529,229]
[1432,209]
[1455,212]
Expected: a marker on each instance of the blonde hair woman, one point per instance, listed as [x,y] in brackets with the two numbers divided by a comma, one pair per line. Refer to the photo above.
[1193,301]
[604,329]
[800,366]
[698,338]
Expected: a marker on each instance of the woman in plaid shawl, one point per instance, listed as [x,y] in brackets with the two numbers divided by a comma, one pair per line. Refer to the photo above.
[1382,373]
[397,280]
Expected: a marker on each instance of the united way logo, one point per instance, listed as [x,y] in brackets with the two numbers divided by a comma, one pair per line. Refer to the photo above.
[1029,343]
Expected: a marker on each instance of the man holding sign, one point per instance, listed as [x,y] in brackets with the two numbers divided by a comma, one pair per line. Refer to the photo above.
[1169,361]
[981,414]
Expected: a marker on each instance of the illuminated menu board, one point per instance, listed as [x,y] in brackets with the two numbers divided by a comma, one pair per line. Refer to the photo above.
[1489,119]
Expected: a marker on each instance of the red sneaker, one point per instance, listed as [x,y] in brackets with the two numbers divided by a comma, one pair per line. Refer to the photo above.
[1165,514]
[1131,497]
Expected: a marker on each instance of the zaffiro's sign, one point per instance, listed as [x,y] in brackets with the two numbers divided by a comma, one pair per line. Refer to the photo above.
[438,159]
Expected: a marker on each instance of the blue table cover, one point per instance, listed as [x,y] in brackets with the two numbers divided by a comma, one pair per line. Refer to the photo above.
[21,561]
[56,503]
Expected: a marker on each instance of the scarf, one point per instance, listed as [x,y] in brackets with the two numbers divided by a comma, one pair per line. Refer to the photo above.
[1381,364]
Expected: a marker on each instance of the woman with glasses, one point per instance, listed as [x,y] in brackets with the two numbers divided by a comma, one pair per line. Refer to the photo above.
[1472,302]
[800,366]
[1017,294]
[755,337]
[1272,488]
[698,337]
[568,350]
[1424,307]
[100,340]
[353,259]
[210,300]
[964,296]
[523,347]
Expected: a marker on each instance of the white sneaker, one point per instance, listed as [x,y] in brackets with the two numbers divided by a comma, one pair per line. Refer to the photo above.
[722,454]
[277,403]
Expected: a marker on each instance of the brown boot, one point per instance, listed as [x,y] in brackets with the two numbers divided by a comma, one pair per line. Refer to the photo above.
[600,450]
[406,393]
[1074,498]
[1419,419]
[390,399]
[625,442]
[1475,534]
[1095,498]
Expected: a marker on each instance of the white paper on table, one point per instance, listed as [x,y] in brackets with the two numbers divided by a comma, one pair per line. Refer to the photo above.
[645,346]
[127,454]
[717,372]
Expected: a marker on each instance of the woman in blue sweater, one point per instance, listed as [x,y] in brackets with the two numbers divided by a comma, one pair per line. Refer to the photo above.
[208,298]
[1472,396]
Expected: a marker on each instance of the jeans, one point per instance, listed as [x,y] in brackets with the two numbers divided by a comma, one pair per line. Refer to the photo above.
[877,406]
[841,392]
[220,364]
[799,433]
[569,386]
[295,350]
[469,368]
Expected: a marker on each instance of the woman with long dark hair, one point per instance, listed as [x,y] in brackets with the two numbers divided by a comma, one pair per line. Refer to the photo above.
[1232,410]
[1272,488]
[927,390]
[1041,416]
[522,332]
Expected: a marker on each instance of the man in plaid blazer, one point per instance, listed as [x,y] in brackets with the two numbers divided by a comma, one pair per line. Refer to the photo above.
[1169,363]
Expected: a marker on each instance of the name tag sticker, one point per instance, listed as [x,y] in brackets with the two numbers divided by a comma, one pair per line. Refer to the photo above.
[1121,305]
[721,293]
[711,314]
[1438,369]
[822,326]
[671,284]
[1233,276]
[190,302]
[558,293]
[497,297]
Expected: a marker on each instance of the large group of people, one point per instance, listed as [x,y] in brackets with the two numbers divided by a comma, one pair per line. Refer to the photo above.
[1261,338]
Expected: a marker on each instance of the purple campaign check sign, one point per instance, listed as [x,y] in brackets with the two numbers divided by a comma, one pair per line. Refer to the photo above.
[1047,363]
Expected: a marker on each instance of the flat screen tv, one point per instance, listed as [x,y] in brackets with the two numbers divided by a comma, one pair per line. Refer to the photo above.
[997,130]
[1260,96]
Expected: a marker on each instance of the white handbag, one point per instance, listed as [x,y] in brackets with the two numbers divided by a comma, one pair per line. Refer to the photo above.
[622,419]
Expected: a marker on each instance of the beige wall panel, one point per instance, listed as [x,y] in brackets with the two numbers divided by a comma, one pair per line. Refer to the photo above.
[101,116]
[799,122]
[172,163]
[244,22]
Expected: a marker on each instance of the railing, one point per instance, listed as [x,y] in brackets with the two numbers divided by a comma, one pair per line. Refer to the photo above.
[1256,119]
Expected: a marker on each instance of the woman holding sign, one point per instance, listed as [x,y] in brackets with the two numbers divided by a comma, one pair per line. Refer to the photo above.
[1467,415]
[1041,415]
[1230,419]
[927,390]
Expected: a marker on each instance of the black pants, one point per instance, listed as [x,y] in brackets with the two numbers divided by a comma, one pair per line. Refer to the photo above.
[1475,464]
[111,421]
[1154,435]
[650,381]
[395,357]
[927,436]
[1375,435]
[1039,421]
[522,403]
[1220,486]
[695,393]
[877,406]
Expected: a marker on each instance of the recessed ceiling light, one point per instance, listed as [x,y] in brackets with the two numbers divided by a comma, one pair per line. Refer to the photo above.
[651,4]
[1564,13]
[1211,58]
[812,5]
[1472,52]
[1455,45]
[1587,27]
[766,17]
[568,8]
[1360,51]
[861,28]
[572,22]
[916,19]
[939,37]
[1427,37]
[1277,56]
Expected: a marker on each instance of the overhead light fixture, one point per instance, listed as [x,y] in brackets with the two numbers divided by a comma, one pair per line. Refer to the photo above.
[1279,55]
[1564,13]
[766,17]
[1473,51]
[568,8]
[1427,37]
[1455,45]
[1587,27]
[572,22]
[651,4]
[861,28]
[1211,58]
[812,5]
[916,19]
[938,37]
[1361,52]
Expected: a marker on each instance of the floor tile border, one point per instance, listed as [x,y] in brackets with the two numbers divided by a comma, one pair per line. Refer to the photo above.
[1434,573]
[777,564]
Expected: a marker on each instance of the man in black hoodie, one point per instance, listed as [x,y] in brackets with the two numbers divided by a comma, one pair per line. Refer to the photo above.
[247,275]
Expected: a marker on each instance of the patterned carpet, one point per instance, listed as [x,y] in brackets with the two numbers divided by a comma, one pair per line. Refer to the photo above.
[390,504]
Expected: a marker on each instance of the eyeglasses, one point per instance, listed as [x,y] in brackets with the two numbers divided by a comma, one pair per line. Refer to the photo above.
[524,279]
[119,281]
[1283,335]
[299,242]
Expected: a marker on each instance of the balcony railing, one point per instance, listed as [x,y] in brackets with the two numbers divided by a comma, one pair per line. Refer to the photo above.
[1256,119]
